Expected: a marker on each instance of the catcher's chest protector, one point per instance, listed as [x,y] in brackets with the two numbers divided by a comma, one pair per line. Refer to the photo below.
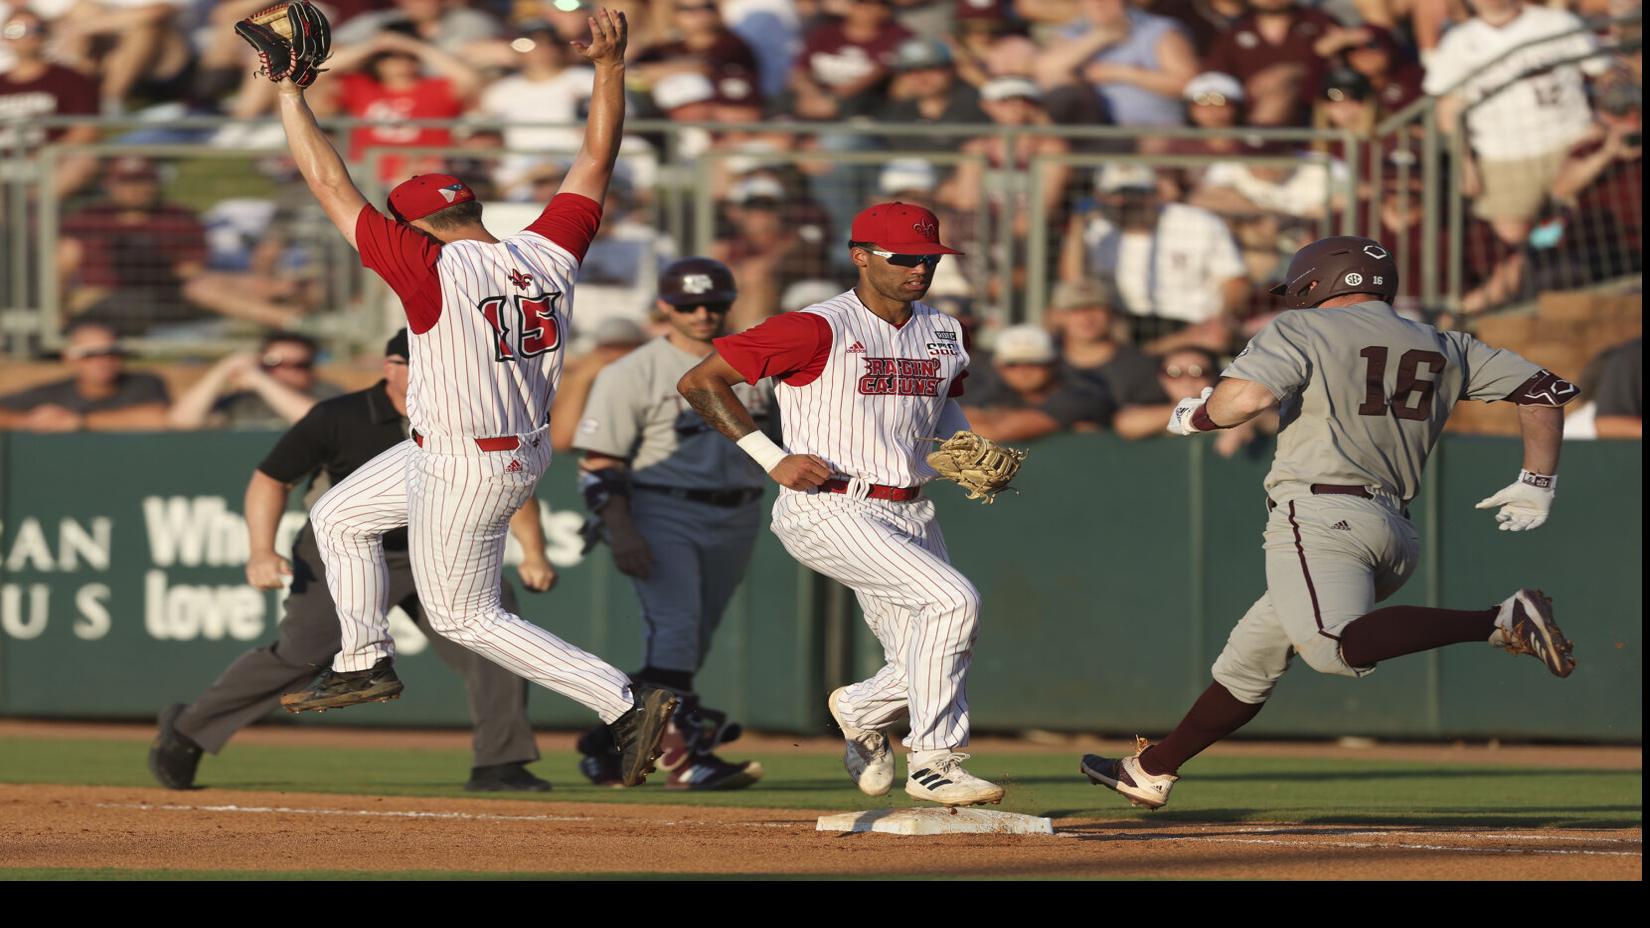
[879,396]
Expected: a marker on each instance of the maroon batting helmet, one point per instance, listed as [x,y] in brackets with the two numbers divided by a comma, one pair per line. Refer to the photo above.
[1340,264]
[697,281]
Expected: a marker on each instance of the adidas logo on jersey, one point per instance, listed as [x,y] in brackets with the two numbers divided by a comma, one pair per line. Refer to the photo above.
[513,467]
[856,348]
[1341,526]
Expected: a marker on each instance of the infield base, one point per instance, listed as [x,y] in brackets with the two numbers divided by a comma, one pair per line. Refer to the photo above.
[937,822]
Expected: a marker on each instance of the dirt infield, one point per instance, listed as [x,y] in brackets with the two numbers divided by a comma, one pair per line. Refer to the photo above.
[144,829]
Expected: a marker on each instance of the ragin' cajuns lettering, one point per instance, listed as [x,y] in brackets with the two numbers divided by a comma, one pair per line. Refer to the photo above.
[900,377]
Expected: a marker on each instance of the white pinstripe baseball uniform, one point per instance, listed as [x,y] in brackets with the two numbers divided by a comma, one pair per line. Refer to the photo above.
[487,321]
[864,395]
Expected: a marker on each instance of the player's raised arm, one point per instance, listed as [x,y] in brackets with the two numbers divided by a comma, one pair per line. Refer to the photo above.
[593,165]
[318,161]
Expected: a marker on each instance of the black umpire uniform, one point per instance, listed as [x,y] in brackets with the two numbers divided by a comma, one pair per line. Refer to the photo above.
[336,437]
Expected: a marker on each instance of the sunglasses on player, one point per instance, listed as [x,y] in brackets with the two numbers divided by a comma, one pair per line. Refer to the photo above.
[898,260]
[688,309]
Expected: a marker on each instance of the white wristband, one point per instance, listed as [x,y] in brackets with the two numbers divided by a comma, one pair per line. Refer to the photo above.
[762,450]
[1539,481]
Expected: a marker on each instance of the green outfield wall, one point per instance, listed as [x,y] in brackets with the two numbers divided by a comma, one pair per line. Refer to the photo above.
[1109,586]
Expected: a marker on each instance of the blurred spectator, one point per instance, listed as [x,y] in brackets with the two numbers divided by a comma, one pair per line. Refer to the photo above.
[447,24]
[1524,117]
[1594,228]
[687,97]
[99,394]
[1203,20]
[773,31]
[843,69]
[702,44]
[134,262]
[1620,399]
[926,91]
[805,293]
[1137,62]
[1272,50]
[1213,101]
[549,87]
[1011,102]
[1301,187]
[269,389]
[1084,313]
[392,87]
[613,339]
[1030,394]
[986,42]
[134,45]
[1186,372]
[773,240]
[1392,71]
[35,87]
[1177,270]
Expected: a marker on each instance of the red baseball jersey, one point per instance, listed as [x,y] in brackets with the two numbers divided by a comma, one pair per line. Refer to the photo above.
[854,389]
[487,319]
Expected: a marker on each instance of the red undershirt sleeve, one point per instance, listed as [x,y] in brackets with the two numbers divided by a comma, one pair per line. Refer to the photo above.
[791,346]
[570,221]
[405,258]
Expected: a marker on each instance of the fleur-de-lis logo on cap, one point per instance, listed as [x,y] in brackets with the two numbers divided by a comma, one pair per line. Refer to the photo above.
[925,229]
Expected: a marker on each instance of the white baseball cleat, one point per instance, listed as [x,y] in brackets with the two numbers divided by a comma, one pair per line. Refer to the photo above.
[1128,778]
[942,779]
[867,757]
[1525,626]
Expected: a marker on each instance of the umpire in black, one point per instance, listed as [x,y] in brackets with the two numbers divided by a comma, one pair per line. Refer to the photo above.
[337,436]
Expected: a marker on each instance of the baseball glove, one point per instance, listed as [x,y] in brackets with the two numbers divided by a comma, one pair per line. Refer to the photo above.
[291,39]
[978,465]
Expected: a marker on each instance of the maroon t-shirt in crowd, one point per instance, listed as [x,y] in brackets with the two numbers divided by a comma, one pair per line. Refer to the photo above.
[59,91]
[833,59]
[729,57]
[1403,87]
[1241,51]
[138,251]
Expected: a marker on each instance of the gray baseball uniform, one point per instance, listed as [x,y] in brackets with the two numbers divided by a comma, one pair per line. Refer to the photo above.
[695,501]
[1364,395]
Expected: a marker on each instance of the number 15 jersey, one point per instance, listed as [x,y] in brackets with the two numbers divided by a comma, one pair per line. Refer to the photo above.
[1365,393]
[488,320]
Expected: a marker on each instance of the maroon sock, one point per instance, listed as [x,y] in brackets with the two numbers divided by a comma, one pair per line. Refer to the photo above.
[1399,630]
[1216,714]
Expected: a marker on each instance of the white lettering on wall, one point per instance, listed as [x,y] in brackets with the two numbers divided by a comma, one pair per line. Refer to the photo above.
[29,548]
[185,613]
[74,543]
[24,618]
[194,531]
[92,602]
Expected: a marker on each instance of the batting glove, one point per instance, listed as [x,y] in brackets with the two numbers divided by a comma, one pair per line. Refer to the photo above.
[1524,503]
[1180,421]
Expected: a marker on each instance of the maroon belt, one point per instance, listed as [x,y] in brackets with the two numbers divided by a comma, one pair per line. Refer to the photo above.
[502,443]
[1339,489]
[878,491]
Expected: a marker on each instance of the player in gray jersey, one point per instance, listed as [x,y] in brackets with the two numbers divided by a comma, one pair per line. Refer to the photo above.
[1364,395]
[681,507]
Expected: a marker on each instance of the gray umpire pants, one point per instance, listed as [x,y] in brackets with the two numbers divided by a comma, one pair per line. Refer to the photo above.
[308,638]
[700,553]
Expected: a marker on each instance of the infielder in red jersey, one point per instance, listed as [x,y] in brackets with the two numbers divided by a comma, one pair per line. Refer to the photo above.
[863,381]
[488,320]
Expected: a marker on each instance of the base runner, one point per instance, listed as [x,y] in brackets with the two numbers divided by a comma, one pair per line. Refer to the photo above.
[1364,395]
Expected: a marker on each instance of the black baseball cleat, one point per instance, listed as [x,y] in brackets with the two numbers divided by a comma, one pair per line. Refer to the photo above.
[334,690]
[600,760]
[173,758]
[1526,626]
[637,733]
[505,778]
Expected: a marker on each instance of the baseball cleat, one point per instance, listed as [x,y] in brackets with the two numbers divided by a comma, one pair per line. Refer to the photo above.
[1525,626]
[943,780]
[173,758]
[638,732]
[505,778]
[334,690]
[1130,780]
[708,772]
[600,763]
[867,757]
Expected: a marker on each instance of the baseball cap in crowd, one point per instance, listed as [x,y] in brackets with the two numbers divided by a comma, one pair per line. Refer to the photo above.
[917,54]
[1023,344]
[805,293]
[737,89]
[1213,88]
[1081,294]
[1618,96]
[1011,88]
[1342,84]
[683,89]
[979,9]
[757,187]
[617,331]
[902,228]
[397,346]
[907,174]
[423,194]
[132,167]
[1123,176]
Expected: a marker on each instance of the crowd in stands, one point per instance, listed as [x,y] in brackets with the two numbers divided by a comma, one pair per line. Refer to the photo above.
[1155,269]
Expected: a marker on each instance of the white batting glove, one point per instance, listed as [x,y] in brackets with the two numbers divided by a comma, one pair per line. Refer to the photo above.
[1525,503]
[1180,421]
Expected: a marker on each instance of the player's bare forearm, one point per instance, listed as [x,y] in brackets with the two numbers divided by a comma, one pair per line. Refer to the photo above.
[1543,431]
[323,170]
[708,388]
[1235,402]
[265,501]
[528,529]
[592,167]
[1015,424]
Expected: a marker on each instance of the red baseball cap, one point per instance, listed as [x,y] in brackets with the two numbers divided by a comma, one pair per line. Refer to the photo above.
[902,228]
[423,194]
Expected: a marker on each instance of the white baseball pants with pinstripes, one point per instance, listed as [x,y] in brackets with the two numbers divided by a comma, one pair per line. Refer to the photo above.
[456,502]
[925,612]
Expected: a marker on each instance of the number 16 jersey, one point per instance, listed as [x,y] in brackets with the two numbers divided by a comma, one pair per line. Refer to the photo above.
[488,320]
[1365,393]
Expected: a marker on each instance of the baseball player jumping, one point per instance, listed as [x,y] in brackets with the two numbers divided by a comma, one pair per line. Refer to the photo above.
[488,319]
[864,379]
[680,508]
[1364,394]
